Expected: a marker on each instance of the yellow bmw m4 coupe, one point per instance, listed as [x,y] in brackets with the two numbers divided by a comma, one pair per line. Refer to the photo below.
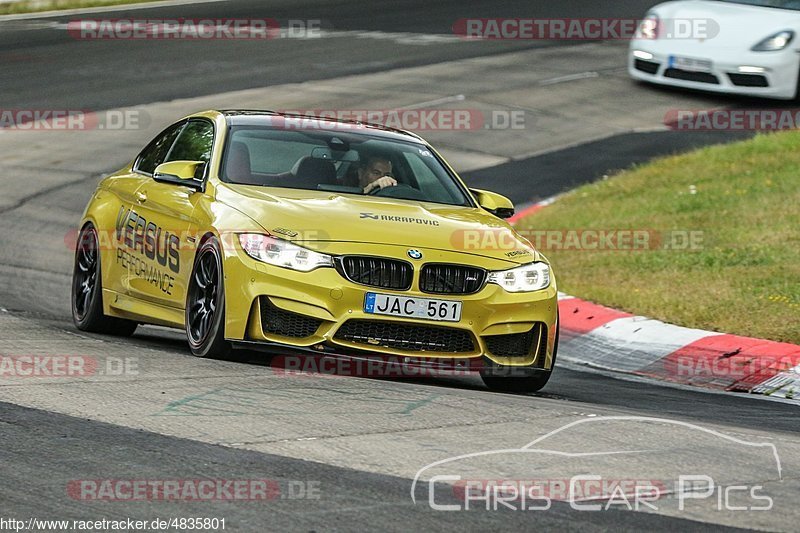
[292,234]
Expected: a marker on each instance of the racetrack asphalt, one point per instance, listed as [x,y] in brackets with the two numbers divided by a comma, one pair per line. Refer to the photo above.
[47,68]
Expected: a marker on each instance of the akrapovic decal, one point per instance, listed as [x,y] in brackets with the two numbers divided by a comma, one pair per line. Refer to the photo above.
[395,218]
[148,247]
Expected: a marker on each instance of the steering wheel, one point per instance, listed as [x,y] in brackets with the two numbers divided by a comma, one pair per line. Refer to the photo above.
[401,190]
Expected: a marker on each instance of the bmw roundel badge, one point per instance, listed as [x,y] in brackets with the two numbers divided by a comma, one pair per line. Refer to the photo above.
[414,254]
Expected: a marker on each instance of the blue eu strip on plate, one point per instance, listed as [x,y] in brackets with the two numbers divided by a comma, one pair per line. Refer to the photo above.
[369,303]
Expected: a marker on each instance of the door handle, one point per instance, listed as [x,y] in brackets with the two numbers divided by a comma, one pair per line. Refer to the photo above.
[141,197]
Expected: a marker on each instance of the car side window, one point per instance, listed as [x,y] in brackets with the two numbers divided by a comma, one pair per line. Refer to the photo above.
[156,152]
[194,142]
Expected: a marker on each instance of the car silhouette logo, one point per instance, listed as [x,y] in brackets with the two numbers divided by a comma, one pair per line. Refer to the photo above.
[414,254]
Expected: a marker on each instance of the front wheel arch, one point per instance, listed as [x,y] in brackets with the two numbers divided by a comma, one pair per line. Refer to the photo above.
[205,302]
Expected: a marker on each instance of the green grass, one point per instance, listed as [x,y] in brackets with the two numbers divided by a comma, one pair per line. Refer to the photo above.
[32,6]
[744,279]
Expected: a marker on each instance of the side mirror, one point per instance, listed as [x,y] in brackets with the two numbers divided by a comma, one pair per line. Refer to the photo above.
[180,173]
[496,204]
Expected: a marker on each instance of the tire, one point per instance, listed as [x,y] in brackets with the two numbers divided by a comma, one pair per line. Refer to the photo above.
[205,304]
[523,384]
[87,290]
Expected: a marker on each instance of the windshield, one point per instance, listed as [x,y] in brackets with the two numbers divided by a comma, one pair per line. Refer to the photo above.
[344,162]
[780,4]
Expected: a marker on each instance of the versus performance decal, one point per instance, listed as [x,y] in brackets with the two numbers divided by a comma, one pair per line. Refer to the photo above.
[153,243]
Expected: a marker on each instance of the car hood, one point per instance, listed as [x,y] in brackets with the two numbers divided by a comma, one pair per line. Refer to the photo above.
[739,25]
[315,218]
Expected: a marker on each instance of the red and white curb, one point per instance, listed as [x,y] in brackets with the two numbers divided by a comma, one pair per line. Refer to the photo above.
[604,338]
[607,339]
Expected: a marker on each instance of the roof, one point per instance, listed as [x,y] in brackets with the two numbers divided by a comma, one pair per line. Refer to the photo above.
[256,117]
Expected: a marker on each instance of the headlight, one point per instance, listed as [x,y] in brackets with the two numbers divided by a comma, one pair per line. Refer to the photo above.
[282,253]
[648,27]
[776,42]
[527,278]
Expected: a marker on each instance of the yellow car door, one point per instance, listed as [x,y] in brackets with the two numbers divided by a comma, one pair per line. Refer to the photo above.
[116,199]
[121,262]
[163,218]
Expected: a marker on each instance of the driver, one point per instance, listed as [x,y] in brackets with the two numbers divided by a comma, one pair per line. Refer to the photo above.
[375,172]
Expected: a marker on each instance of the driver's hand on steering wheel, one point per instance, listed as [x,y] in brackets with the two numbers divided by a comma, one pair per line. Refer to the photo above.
[382,183]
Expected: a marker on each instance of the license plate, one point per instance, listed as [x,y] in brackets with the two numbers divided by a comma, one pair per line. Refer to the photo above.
[690,64]
[410,307]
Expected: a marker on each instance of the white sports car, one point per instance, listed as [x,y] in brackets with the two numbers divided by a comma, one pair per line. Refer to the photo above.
[748,47]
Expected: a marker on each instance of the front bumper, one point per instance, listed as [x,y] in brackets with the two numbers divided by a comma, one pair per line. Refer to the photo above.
[775,75]
[323,312]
